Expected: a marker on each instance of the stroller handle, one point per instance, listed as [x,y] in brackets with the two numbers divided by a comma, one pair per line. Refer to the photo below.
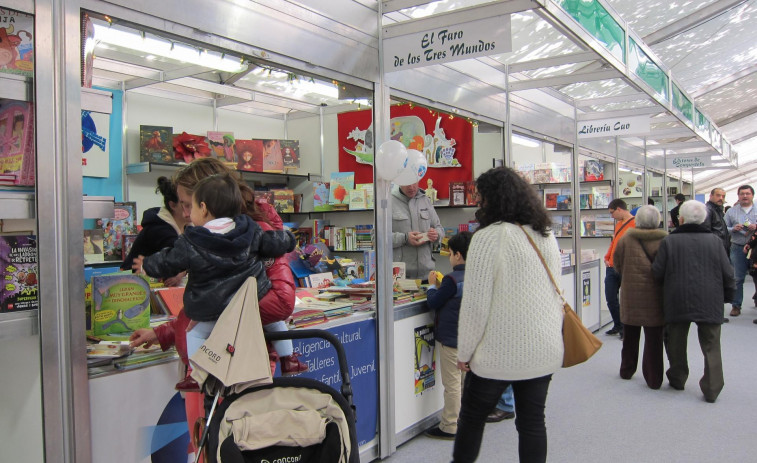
[346,388]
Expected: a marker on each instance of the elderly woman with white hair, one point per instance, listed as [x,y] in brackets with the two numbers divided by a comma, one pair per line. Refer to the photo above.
[641,297]
[697,279]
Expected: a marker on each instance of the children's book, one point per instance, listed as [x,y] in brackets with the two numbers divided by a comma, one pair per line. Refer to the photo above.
[369,265]
[283,201]
[398,270]
[156,144]
[357,200]
[471,195]
[321,197]
[172,299]
[120,303]
[273,160]
[266,195]
[18,265]
[93,246]
[543,172]
[593,170]
[17,142]
[16,42]
[127,241]
[124,222]
[321,280]
[108,349]
[587,200]
[457,193]
[368,188]
[526,171]
[550,198]
[339,186]
[249,155]
[222,145]
[602,196]
[290,153]
[565,200]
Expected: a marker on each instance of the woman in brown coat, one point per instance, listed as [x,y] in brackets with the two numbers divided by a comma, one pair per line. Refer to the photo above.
[641,297]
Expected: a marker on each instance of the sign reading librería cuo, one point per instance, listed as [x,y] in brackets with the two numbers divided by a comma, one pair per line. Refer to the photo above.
[482,37]
[615,127]
[688,161]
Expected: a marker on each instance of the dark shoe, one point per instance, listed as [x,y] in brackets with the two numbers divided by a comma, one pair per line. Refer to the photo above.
[621,335]
[187,385]
[613,332]
[710,400]
[436,433]
[725,320]
[499,415]
[291,365]
[735,311]
[754,321]
[676,387]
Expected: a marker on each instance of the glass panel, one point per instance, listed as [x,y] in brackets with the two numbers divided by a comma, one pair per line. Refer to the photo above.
[681,103]
[598,22]
[702,124]
[643,66]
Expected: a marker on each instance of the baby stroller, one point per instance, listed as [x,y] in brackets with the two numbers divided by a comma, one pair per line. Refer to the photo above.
[291,420]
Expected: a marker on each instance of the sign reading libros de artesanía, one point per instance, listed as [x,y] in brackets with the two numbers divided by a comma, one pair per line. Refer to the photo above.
[472,39]
[688,161]
[615,127]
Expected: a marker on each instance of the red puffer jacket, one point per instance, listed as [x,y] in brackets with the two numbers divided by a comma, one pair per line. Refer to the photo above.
[276,305]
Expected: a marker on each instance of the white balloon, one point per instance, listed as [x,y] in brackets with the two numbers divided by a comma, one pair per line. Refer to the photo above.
[391,159]
[415,169]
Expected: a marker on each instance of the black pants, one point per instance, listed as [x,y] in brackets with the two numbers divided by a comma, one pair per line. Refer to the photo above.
[651,363]
[480,396]
[676,338]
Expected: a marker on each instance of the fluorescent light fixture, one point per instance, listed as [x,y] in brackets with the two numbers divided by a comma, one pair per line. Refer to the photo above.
[523,141]
[158,46]
[623,169]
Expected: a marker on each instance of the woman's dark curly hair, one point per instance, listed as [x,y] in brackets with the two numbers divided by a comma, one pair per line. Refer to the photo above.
[506,197]
[168,190]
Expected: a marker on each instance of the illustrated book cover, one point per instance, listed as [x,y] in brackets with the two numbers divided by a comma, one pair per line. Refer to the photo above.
[156,144]
[457,193]
[222,145]
[321,197]
[594,170]
[290,153]
[339,186]
[283,201]
[17,156]
[124,222]
[93,246]
[368,187]
[18,261]
[16,42]
[120,303]
[550,198]
[357,200]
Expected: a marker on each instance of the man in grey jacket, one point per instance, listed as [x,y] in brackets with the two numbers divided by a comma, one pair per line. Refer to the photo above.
[697,279]
[415,226]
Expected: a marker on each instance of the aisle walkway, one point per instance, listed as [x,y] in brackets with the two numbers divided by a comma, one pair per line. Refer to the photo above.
[594,416]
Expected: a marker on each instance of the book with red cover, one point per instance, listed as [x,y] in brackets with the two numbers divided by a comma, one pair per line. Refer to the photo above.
[172,298]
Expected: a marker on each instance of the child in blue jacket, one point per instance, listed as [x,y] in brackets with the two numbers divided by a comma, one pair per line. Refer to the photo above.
[446,302]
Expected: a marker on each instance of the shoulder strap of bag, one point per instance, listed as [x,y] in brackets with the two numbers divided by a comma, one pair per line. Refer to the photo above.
[621,228]
[543,262]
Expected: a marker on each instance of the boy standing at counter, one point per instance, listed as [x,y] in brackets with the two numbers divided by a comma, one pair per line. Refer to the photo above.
[446,302]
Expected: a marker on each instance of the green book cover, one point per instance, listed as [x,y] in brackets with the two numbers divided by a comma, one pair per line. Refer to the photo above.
[120,303]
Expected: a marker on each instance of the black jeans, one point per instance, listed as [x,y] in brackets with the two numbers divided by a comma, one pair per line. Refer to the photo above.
[480,396]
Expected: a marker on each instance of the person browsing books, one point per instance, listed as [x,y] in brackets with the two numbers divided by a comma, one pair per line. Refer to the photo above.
[445,301]
[624,221]
[415,226]
[161,227]
[220,251]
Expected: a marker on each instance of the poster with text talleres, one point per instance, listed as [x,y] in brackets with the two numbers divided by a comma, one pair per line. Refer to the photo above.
[18,260]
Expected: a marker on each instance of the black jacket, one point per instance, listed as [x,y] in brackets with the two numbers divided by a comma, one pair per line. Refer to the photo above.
[156,234]
[219,264]
[674,215]
[716,224]
[696,275]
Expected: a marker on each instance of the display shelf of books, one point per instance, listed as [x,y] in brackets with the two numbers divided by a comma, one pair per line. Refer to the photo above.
[145,167]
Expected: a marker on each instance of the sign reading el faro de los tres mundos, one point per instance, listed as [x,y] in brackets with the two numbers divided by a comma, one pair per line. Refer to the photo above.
[489,36]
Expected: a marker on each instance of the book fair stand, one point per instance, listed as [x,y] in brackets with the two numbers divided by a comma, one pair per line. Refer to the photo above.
[300,110]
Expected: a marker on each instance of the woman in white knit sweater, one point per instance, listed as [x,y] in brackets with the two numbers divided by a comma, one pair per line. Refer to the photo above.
[510,329]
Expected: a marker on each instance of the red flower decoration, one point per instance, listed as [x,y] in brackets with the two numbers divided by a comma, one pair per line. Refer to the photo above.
[187,147]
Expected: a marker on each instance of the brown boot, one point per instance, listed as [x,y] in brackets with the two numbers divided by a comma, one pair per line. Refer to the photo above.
[735,311]
[291,365]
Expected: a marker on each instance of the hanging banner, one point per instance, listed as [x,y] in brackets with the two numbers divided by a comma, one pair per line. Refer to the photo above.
[490,36]
[688,161]
[614,127]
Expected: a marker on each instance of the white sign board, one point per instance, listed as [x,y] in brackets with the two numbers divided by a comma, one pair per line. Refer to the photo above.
[688,161]
[614,127]
[490,36]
